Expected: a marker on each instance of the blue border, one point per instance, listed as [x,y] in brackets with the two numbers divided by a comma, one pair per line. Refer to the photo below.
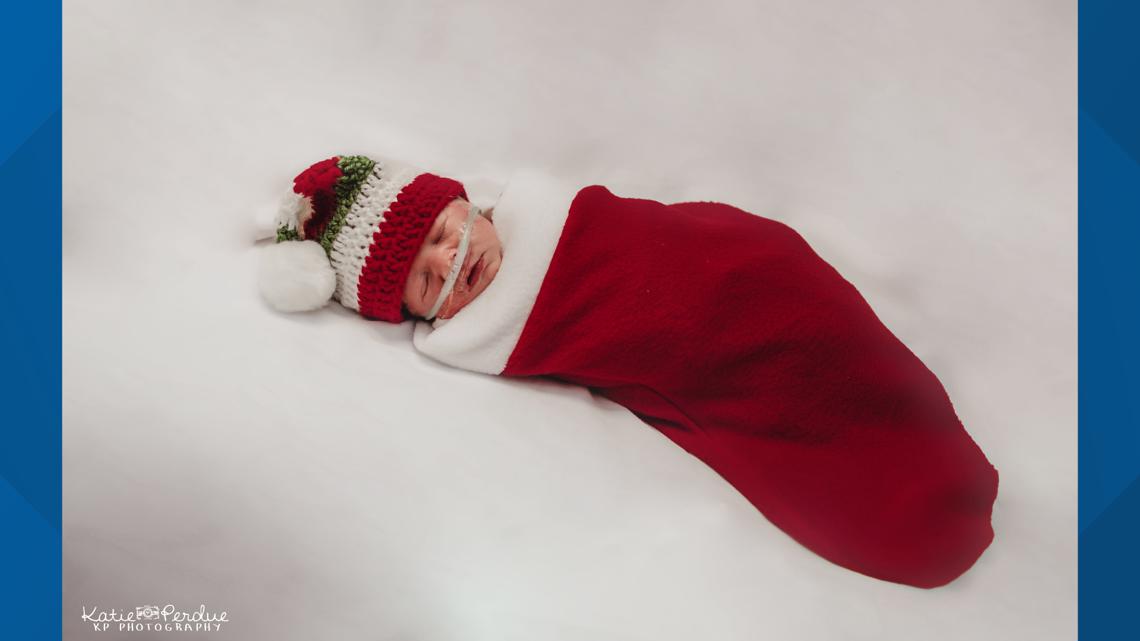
[30,324]
[1109,319]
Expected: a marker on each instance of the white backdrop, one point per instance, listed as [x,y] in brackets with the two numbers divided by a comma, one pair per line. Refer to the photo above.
[318,479]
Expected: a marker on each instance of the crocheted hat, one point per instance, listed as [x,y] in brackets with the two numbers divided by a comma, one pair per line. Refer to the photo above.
[349,231]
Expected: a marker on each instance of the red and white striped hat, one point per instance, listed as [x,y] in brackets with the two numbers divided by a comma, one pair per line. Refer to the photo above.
[350,231]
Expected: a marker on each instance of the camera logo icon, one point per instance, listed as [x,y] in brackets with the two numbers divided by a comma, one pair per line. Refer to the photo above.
[147,612]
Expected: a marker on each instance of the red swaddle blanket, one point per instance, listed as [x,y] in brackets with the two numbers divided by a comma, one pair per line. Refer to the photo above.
[729,334]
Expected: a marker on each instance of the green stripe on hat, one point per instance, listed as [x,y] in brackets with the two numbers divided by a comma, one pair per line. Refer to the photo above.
[285,232]
[354,170]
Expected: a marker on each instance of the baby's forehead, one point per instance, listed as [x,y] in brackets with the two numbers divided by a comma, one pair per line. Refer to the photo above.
[454,209]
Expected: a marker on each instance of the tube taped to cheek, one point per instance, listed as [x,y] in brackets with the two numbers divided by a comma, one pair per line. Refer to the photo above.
[473,211]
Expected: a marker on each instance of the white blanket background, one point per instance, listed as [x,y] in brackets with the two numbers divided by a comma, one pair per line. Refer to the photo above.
[317,478]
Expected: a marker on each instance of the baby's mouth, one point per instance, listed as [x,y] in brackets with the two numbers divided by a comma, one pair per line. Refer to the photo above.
[475,272]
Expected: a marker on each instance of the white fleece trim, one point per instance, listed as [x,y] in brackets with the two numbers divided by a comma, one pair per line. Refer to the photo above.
[529,217]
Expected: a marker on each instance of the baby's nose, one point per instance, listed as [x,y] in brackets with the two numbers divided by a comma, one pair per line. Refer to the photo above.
[442,263]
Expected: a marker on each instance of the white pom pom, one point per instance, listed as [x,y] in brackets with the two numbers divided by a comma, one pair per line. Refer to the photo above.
[290,211]
[296,276]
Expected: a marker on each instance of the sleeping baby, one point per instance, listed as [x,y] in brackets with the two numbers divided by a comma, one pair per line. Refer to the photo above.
[722,329]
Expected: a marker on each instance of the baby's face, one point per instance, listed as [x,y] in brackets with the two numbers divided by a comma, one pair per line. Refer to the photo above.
[433,262]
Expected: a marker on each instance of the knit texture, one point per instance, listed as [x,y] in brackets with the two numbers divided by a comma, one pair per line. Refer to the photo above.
[395,244]
[371,217]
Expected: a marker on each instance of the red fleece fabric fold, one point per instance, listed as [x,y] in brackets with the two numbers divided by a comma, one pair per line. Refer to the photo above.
[729,334]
